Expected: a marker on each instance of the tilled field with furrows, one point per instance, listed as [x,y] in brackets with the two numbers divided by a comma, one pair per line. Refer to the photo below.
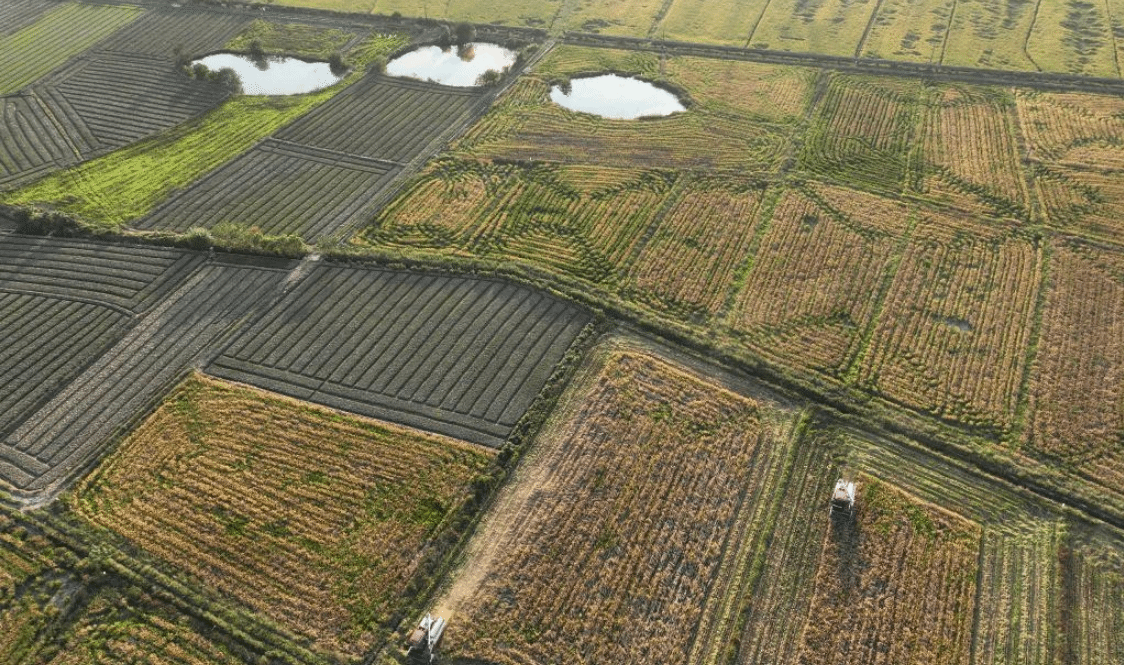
[385,118]
[281,188]
[168,33]
[148,96]
[78,422]
[30,143]
[121,277]
[459,356]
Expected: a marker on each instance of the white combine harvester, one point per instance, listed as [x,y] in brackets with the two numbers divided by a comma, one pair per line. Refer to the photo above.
[423,641]
[843,497]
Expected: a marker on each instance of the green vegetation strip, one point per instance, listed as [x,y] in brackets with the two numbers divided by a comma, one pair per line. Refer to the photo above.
[60,34]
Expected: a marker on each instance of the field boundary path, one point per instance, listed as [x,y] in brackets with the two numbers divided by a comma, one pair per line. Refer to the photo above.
[930,72]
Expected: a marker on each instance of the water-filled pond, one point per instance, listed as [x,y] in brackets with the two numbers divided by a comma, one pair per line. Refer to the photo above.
[272,75]
[459,66]
[618,97]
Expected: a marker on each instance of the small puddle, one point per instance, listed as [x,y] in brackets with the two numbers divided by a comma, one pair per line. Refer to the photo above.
[273,75]
[958,323]
[459,66]
[617,97]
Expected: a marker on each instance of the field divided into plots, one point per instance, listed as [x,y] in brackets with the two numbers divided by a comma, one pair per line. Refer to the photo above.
[318,520]
[325,172]
[459,356]
[69,117]
[75,425]
[15,14]
[59,34]
[587,221]
[970,151]
[862,132]
[907,571]
[1073,142]
[811,291]
[1018,596]
[281,188]
[63,303]
[954,332]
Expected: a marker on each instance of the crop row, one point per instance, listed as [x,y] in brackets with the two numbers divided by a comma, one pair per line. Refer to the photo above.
[691,257]
[130,278]
[170,33]
[970,143]
[64,31]
[75,425]
[384,118]
[314,519]
[1097,596]
[47,342]
[30,143]
[777,604]
[610,545]
[148,96]
[807,298]
[1018,607]
[15,14]
[862,133]
[454,355]
[587,221]
[1076,396]
[953,335]
[281,188]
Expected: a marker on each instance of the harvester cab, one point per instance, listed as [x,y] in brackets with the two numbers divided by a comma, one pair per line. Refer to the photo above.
[422,644]
[843,497]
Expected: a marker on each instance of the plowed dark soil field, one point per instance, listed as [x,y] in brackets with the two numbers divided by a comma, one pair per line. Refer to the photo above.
[460,356]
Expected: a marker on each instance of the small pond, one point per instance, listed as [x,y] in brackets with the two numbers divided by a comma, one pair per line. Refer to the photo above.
[459,66]
[272,75]
[612,96]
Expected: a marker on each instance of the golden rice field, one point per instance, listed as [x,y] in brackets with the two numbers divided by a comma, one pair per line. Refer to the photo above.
[318,520]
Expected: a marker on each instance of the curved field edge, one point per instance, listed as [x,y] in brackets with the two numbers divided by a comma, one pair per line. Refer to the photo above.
[324,522]
[126,184]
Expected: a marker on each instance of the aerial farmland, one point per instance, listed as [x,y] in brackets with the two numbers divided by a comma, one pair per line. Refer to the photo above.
[654,332]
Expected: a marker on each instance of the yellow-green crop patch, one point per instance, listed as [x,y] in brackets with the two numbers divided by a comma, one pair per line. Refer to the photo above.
[316,519]
[291,39]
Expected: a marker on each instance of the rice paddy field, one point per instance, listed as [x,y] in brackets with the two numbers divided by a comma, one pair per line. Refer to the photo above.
[281,375]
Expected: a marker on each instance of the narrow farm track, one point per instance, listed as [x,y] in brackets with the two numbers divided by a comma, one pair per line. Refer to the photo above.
[281,188]
[459,356]
[58,440]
